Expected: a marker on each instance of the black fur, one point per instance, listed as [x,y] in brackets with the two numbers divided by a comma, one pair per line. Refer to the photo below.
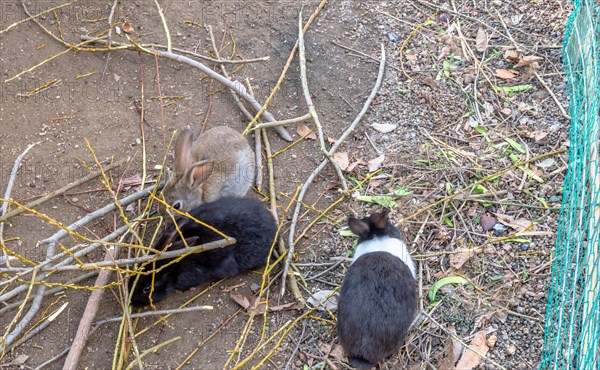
[246,220]
[378,299]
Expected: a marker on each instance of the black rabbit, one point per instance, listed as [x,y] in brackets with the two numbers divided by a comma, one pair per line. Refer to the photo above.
[247,220]
[378,297]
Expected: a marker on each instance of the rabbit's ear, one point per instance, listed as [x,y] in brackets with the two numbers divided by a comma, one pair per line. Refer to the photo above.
[198,173]
[183,151]
[380,219]
[359,227]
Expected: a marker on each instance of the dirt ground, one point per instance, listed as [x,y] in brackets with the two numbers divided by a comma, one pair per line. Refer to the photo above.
[458,105]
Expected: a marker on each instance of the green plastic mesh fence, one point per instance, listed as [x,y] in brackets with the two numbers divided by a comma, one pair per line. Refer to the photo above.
[572,329]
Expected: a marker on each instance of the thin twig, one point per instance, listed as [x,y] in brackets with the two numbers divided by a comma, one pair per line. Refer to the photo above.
[62,190]
[166,28]
[155,313]
[52,243]
[59,355]
[89,314]
[110,29]
[7,194]
[562,109]
[476,183]
[284,122]
[311,106]
[52,291]
[257,147]
[30,17]
[280,244]
[316,171]
[73,254]
[287,365]
[127,261]
[288,63]
[516,45]
[234,85]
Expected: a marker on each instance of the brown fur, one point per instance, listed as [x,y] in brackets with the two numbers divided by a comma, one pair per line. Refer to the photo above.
[218,163]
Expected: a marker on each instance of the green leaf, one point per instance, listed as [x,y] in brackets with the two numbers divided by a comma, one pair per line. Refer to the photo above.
[516,146]
[446,66]
[482,130]
[455,280]
[387,201]
[518,240]
[347,233]
[402,191]
[355,180]
[479,189]
[448,222]
[530,173]
[514,89]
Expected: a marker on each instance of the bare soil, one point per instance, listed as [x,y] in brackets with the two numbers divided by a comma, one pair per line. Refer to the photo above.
[452,130]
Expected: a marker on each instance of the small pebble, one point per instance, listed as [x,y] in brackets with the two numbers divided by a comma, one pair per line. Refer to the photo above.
[499,230]
[393,36]
[511,350]
[491,340]
[554,198]
[524,247]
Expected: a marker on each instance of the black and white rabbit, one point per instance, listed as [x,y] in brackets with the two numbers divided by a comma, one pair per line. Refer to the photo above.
[247,220]
[378,298]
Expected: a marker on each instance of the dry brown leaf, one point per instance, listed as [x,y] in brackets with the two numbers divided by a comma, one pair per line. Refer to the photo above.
[304,130]
[384,128]
[127,27]
[517,224]
[481,42]
[511,55]
[536,135]
[452,351]
[529,60]
[287,306]
[337,352]
[430,82]
[353,165]
[506,73]
[242,300]
[374,164]
[248,304]
[132,180]
[342,160]
[375,183]
[469,359]
[457,260]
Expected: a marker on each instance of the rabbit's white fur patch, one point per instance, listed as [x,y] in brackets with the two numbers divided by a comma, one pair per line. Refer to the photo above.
[393,246]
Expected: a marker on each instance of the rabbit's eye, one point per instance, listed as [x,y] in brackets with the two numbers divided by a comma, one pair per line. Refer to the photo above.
[146,290]
[177,205]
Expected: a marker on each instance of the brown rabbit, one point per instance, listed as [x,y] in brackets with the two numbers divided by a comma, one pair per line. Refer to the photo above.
[218,163]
